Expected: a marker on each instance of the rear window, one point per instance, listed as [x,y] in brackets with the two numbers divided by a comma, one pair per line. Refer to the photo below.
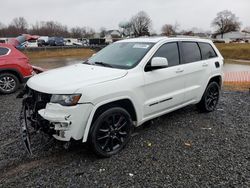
[207,51]
[3,51]
[191,52]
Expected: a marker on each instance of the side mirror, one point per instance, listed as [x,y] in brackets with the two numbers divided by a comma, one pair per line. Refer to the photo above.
[158,63]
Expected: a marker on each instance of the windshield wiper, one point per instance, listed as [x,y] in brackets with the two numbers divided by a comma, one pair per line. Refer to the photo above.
[103,64]
[87,62]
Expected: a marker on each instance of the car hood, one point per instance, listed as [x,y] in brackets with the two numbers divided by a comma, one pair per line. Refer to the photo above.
[67,80]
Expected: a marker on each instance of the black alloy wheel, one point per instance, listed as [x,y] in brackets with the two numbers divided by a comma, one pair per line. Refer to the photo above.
[111,132]
[210,98]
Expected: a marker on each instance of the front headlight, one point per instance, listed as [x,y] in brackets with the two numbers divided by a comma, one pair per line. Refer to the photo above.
[66,100]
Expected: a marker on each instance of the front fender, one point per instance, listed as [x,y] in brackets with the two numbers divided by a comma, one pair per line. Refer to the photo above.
[91,116]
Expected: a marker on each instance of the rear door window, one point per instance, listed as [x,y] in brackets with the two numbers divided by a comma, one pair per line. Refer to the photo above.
[169,51]
[3,51]
[190,52]
[207,51]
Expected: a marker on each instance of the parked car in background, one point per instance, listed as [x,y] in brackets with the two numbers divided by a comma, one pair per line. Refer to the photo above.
[124,85]
[21,41]
[72,42]
[33,43]
[43,41]
[4,40]
[97,41]
[84,41]
[56,41]
[14,68]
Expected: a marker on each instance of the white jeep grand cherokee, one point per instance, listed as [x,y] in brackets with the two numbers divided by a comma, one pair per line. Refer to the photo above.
[124,85]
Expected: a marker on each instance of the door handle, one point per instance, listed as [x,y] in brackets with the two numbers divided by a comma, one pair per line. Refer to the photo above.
[205,64]
[179,70]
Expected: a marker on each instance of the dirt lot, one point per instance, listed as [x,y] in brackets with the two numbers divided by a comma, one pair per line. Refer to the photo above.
[181,149]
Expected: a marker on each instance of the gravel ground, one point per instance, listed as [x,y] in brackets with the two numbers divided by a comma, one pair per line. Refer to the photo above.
[182,149]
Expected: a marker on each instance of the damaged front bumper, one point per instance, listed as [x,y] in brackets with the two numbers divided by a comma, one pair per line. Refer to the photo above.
[67,122]
[62,122]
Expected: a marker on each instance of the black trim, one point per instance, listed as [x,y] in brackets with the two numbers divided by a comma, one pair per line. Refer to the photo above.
[217,64]
[180,53]
[161,101]
[200,50]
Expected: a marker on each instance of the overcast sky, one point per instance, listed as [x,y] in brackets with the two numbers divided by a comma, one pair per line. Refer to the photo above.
[108,13]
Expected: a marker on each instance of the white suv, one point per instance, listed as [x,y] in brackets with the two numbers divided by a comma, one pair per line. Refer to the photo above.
[124,85]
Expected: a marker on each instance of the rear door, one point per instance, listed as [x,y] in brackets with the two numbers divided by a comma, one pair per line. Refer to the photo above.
[197,69]
[163,88]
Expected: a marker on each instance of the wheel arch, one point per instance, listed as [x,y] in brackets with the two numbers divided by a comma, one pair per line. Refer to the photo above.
[217,79]
[214,78]
[125,103]
[14,72]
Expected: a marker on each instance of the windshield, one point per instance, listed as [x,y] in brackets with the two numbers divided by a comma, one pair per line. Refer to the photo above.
[124,55]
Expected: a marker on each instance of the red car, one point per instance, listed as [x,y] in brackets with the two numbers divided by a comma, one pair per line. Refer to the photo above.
[14,68]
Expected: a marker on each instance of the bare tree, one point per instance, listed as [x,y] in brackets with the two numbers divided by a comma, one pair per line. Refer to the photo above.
[2,25]
[2,30]
[49,28]
[140,24]
[89,32]
[226,21]
[168,30]
[125,28]
[246,29]
[77,32]
[17,27]
[20,24]
[103,31]
[187,33]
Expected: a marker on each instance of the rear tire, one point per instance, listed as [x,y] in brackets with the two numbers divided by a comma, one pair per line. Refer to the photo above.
[210,98]
[9,83]
[111,132]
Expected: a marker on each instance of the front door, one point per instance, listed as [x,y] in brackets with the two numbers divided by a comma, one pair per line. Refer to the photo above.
[164,88]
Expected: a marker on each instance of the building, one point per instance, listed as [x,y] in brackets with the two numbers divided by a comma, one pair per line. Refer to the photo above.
[112,36]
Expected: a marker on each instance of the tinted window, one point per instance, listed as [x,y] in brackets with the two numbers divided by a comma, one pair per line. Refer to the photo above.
[169,51]
[207,51]
[3,51]
[191,52]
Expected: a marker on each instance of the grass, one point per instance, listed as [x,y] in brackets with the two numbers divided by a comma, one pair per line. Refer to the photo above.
[235,61]
[235,86]
[82,52]
[235,50]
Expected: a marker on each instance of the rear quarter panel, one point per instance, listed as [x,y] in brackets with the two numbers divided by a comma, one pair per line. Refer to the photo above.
[17,61]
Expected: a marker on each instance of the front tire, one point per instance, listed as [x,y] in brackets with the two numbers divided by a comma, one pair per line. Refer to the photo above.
[210,98]
[9,83]
[111,132]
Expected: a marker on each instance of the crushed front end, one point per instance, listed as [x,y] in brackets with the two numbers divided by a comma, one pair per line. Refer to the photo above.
[29,118]
[41,115]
